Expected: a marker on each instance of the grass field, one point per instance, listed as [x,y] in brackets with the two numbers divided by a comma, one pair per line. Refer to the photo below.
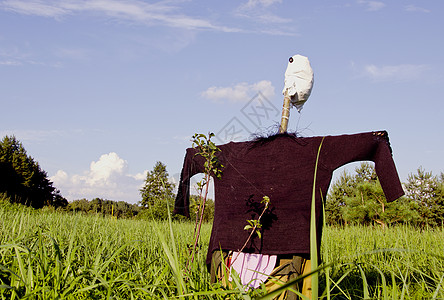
[53,255]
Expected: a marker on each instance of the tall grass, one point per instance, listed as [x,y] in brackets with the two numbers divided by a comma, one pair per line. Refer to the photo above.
[397,263]
[59,255]
[55,255]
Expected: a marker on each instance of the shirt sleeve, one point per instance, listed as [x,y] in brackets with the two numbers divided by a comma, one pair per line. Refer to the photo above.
[192,165]
[337,151]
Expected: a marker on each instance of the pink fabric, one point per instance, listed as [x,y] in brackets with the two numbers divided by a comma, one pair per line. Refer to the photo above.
[252,268]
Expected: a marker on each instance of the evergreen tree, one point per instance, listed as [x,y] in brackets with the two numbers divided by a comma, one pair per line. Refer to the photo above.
[341,189]
[22,179]
[427,192]
[157,189]
[369,206]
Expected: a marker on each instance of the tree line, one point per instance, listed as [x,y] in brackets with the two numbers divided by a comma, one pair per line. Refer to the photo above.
[352,199]
[98,206]
[358,199]
[23,181]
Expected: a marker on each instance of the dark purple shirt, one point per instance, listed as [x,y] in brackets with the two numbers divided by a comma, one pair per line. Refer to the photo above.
[282,168]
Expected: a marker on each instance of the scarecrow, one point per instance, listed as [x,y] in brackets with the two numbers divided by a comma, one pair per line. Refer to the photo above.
[281,167]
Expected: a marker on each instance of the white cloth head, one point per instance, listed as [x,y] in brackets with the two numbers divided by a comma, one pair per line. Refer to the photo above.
[298,80]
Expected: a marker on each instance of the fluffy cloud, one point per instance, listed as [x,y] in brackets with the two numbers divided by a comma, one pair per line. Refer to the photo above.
[106,169]
[241,92]
[106,178]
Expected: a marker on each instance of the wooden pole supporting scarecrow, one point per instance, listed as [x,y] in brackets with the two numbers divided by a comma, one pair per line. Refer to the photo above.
[297,88]
[285,113]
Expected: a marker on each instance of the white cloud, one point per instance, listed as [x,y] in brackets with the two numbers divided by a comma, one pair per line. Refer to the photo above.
[260,11]
[413,8]
[405,72]
[105,169]
[61,177]
[372,5]
[140,176]
[37,8]
[10,63]
[263,3]
[106,178]
[161,13]
[241,92]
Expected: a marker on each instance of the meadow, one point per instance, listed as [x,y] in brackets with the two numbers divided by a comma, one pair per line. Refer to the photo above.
[46,254]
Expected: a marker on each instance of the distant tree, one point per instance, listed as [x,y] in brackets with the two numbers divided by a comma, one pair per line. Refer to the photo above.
[341,206]
[343,188]
[59,201]
[359,199]
[427,192]
[123,209]
[98,206]
[156,187]
[81,205]
[194,208]
[367,203]
[22,179]
[369,206]
[158,210]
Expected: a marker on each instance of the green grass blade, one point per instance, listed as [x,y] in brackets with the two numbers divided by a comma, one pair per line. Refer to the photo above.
[438,287]
[21,267]
[290,283]
[364,283]
[313,233]
[384,283]
[237,283]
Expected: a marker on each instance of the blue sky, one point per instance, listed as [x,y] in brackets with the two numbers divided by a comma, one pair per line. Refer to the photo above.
[98,91]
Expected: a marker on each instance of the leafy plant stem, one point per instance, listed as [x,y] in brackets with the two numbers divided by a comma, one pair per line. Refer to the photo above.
[199,224]
[207,149]
[255,227]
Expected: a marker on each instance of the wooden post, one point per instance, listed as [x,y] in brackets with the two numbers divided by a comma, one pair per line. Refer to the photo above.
[285,113]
